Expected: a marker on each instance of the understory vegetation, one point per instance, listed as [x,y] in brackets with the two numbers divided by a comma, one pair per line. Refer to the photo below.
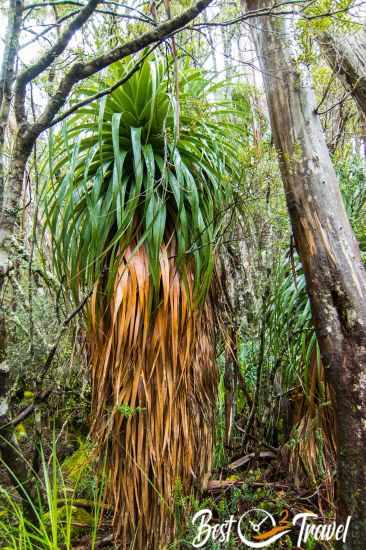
[161,354]
[273,411]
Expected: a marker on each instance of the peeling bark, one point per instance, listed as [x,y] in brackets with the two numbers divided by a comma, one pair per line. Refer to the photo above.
[335,276]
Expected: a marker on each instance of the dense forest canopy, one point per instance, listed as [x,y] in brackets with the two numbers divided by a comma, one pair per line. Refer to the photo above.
[183,288]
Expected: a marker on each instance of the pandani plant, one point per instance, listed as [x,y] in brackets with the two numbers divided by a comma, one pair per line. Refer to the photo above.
[137,183]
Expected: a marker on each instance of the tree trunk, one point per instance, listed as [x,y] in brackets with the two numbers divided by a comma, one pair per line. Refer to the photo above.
[335,276]
[346,54]
[12,202]
[7,73]
[10,453]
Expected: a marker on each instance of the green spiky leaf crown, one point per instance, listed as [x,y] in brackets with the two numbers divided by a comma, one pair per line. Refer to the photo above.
[129,169]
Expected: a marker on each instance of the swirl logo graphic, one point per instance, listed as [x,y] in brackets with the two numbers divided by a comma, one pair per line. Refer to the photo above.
[252,523]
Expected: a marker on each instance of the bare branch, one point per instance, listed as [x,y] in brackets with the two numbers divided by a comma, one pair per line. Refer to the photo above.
[48,29]
[345,97]
[48,58]
[79,71]
[81,4]
[56,3]
[276,10]
[27,411]
[66,322]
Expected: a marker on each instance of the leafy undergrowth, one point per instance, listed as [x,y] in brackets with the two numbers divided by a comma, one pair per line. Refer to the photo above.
[64,503]
[255,488]
[71,512]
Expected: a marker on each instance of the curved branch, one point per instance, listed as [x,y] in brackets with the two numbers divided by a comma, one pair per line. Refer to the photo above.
[48,58]
[79,71]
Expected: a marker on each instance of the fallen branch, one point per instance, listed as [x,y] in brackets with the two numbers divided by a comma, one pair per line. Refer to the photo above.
[27,411]
[218,485]
[247,458]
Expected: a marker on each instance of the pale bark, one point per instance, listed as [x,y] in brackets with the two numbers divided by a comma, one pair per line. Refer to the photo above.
[335,276]
[6,78]
[346,54]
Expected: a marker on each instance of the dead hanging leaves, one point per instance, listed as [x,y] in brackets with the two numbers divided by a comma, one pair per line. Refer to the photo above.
[154,387]
[310,454]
